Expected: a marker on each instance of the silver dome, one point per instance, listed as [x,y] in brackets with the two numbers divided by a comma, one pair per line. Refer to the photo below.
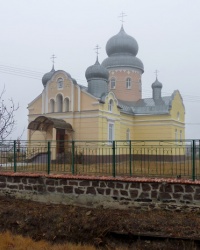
[156,84]
[48,76]
[123,61]
[96,71]
[122,50]
[122,43]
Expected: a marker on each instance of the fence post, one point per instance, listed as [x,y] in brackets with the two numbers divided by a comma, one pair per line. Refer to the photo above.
[113,160]
[73,145]
[48,157]
[130,159]
[193,159]
[15,157]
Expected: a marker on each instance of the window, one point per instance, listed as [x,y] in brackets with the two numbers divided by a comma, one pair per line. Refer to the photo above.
[66,104]
[128,83]
[60,83]
[110,132]
[52,106]
[110,105]
[180,135]
[176,135]
[178,116]
[112,83]
[59,103]
[128,134]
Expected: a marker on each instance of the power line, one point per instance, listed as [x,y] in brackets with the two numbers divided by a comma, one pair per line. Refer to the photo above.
[37,75]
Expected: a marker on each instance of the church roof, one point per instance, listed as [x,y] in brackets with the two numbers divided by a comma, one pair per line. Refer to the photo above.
[148,106]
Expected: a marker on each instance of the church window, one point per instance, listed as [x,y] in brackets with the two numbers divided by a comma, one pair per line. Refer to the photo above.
[60,83]
[66,104]
[176,135]
[178,116]
[128,134]
[59,103]
[110,132]
[112,83]
[128,83]
[52,106]
[110,105]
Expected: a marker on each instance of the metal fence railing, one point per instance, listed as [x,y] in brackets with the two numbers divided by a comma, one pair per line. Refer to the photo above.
[172,159]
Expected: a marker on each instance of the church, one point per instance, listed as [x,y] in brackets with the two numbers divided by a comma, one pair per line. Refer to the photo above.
[110,107]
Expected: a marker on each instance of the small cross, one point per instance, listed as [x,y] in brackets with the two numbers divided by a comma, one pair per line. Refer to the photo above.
[122,17]
[97,49]
[156,72]
[53,57]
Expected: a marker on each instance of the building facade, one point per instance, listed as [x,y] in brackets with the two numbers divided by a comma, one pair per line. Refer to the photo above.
[111,107]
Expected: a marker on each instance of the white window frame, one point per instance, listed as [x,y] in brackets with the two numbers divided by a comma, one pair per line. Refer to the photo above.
[178,116]
[111,132]
[128,134]
[176,135]
[110,105]
[112,81]
[60,83]
[128,83]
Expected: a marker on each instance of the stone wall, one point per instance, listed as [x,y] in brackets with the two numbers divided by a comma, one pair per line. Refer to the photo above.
[101,192]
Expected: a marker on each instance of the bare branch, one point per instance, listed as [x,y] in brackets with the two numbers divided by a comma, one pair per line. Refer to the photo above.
[7,116]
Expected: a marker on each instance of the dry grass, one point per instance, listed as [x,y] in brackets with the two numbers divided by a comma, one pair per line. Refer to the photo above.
[17,242]
[137,168]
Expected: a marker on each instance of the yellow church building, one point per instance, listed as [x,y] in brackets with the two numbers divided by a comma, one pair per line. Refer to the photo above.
[111,107]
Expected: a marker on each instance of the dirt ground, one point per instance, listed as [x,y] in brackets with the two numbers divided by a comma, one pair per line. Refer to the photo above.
[106,229]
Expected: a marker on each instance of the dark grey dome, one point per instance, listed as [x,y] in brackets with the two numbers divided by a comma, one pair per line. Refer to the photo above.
[96,71]
[47,76]
[156,84]
[123,61]
[122,43]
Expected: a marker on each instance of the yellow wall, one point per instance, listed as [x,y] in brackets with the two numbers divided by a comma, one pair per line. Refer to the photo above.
[91,121]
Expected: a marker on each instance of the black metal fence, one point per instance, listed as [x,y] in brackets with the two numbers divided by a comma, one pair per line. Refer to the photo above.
[172,159]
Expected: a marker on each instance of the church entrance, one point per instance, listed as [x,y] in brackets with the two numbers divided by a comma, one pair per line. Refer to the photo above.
[61,140]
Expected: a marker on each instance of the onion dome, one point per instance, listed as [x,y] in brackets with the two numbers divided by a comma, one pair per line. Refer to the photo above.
[156,84]
[96,71]
[122,43]
[122,50]
[97,78]
[156,87]
[48,76]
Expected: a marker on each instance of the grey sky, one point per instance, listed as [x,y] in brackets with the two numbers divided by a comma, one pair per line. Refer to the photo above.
[167,32]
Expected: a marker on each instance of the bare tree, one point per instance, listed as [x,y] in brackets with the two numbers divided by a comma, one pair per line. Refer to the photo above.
[7,116]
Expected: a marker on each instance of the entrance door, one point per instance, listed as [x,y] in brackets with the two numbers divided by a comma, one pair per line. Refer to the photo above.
[60,140]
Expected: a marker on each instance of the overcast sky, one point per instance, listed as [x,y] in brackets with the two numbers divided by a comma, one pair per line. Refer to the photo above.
[167,31]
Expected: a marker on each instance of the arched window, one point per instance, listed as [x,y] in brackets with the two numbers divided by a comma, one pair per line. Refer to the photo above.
[59,103]
[60,83]
[128,134]
[66,104]
[128,83]
[52,106]
[112,83]
[178,116]
[110,105]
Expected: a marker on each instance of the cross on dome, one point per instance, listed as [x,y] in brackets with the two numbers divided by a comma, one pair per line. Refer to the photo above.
[53,59]
[122,17]
[97,49]
[156,73]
